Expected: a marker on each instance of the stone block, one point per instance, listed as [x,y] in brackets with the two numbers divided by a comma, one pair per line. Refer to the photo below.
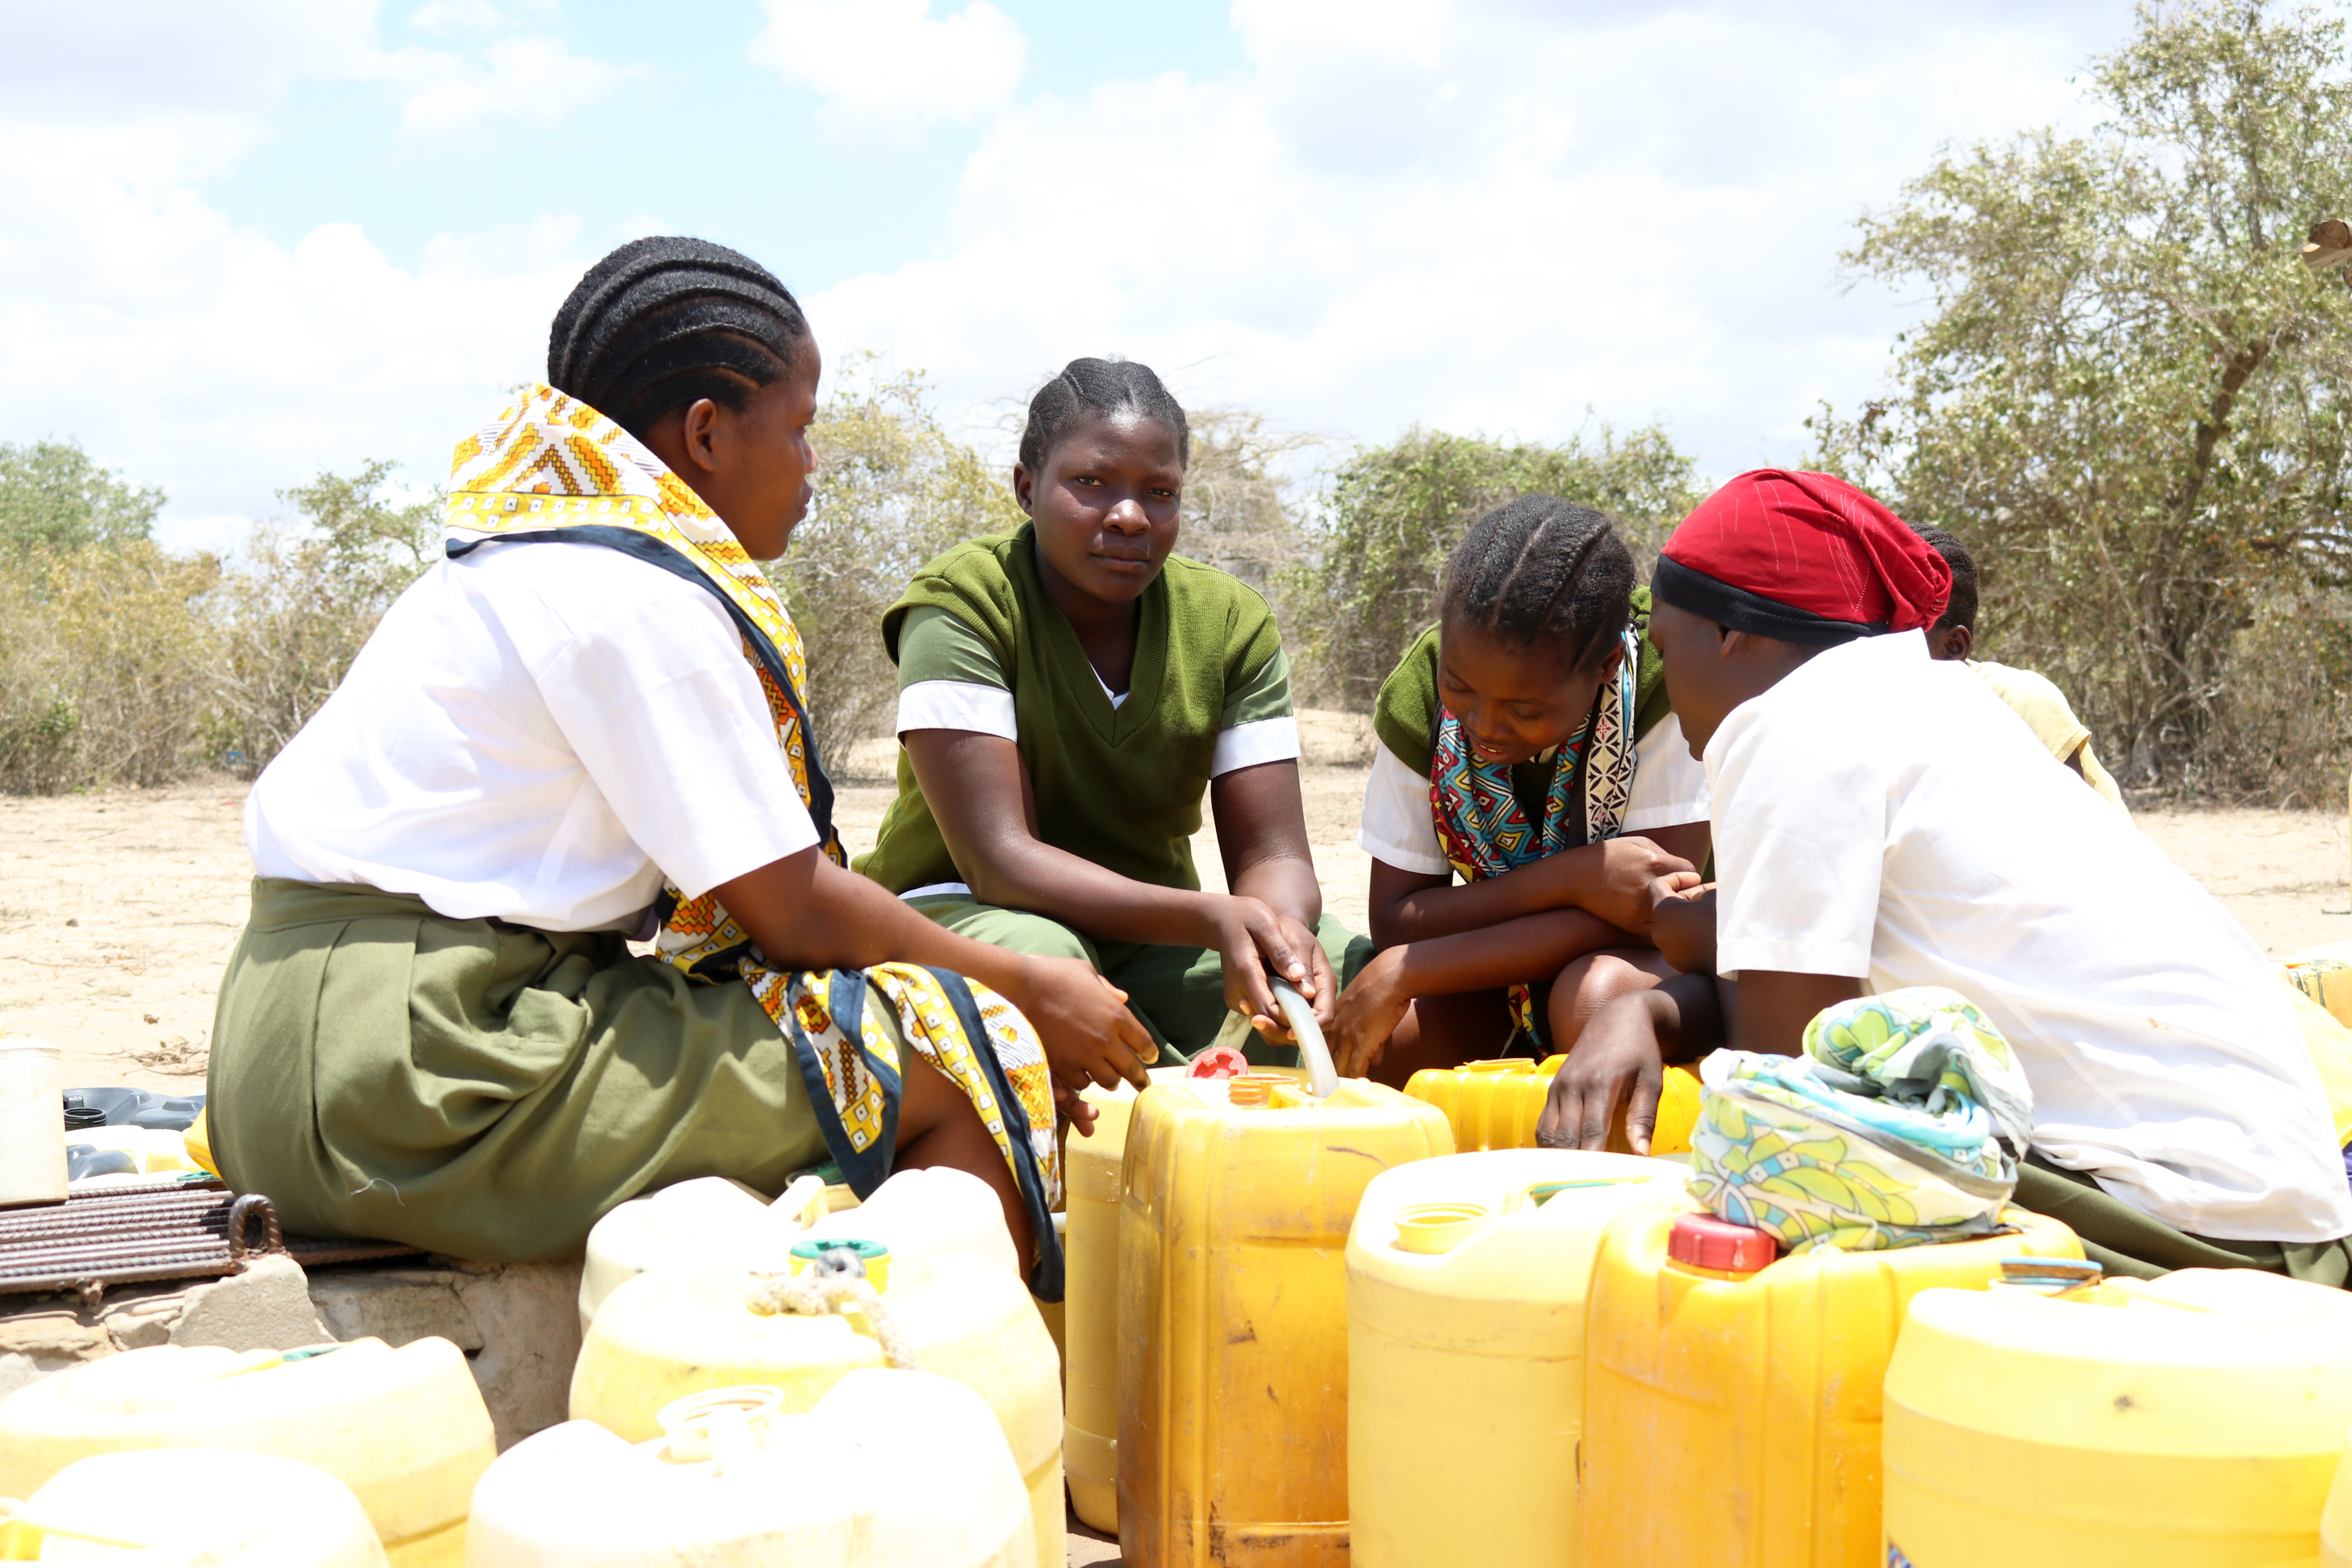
[398,1305]
[144,1315]
[53,1334]
[267,1307]
[528,1315]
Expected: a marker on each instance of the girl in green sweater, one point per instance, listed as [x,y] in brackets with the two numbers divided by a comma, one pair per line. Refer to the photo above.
[1066,693]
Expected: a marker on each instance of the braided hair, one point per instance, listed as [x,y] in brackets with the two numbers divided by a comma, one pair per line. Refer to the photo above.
[1543,572]
[1097,388]
[1960,609]
[663,321]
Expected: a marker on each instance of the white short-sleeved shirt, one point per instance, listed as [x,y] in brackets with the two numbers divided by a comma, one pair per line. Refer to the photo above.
[1882,816]
[1669,788]
[948,680]
[537,732]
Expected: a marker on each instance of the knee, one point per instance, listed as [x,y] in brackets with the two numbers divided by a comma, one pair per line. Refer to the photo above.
[1591,983]
[1044,938]
[1017,931]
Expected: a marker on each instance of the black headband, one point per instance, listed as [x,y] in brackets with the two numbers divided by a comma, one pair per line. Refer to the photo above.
[1686,588]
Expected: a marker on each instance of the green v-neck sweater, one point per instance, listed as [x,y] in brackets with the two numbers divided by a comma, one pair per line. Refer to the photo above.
[1119,786]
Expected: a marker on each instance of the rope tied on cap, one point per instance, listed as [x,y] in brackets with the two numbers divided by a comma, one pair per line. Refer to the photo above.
[837,1283]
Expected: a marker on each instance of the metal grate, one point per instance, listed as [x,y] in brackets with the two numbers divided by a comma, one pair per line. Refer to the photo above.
[166,1228]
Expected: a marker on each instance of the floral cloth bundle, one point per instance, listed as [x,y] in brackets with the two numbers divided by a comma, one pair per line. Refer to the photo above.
[1900,1125]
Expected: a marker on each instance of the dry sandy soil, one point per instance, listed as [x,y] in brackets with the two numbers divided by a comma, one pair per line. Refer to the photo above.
[118,909]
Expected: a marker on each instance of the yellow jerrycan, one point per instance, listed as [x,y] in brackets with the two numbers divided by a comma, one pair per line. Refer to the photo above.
[664,1335]
[2191,1420]
[1090,1301]
[179,1508]
[2324,974]
[404,1430]
[2336,1520]
[889,1469]
[1732,1402]
[711,1222]
[1236,1197]
[1466,1282]
[1090,1304]
[1495,1104]
[152,1150]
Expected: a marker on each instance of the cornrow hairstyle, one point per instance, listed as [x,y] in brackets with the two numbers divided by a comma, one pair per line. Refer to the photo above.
[667,321]
[1960,610]
[1097,388]
[1540,572]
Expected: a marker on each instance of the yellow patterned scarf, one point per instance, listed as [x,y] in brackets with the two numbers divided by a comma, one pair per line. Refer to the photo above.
[552,469]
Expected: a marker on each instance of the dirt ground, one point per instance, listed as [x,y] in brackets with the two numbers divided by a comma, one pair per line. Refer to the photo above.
[119,910]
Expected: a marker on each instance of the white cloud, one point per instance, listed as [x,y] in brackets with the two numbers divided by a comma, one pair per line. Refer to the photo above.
[184,349]
[190,351]
[534,80]
[888,69]
[1474,216]
[1477,215]
[456,16]
[90,64]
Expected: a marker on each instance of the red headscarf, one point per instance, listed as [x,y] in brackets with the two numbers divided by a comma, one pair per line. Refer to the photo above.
[1802,557]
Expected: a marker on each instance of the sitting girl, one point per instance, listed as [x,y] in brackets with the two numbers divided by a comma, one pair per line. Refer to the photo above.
[1883,821]
[1066,692]
[1528,744]
[586,724]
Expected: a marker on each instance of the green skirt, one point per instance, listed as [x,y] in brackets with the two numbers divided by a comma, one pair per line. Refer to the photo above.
[480,1089]
[2133,1245]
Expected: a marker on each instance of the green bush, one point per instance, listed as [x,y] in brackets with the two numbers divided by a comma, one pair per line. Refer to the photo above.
[1392,514]
[54,498]
[297,608]
[1241,510]
[893,489]
[103,651]
[122,663]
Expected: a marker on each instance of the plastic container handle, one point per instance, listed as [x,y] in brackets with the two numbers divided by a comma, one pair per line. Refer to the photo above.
[724,1424]
[1322,1077]
[794,1205]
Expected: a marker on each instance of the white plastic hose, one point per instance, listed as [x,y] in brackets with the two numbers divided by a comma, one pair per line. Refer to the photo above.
[1322,1077]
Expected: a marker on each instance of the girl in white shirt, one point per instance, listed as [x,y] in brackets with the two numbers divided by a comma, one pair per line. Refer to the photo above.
[1883,821]
[1528,746]
[586,724]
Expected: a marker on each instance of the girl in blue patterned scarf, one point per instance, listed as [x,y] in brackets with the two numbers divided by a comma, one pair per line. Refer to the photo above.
[1531,782]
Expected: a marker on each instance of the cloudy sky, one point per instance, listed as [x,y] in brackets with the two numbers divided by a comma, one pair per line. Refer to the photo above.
[248,239]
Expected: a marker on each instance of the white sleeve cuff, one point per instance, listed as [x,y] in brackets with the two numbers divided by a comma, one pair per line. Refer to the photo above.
[1790,956]
[957,705]
[1397,827]
[1247,745]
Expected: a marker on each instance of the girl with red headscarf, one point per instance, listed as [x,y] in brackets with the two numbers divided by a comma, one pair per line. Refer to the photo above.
[1882,820]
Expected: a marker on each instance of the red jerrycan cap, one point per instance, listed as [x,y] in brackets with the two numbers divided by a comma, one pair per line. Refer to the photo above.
[1219,1061]
[1703,1241]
